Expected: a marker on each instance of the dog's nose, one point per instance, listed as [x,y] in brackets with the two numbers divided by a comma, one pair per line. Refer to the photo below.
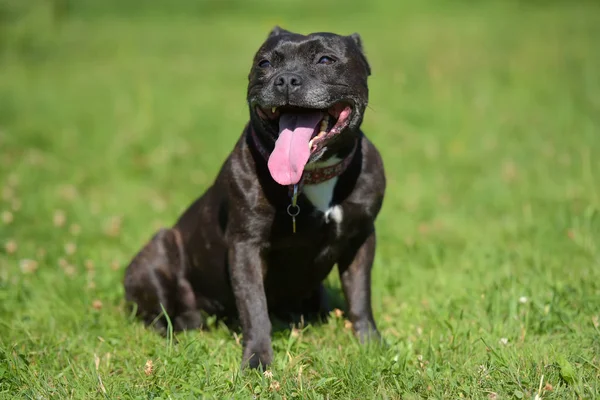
[288,82]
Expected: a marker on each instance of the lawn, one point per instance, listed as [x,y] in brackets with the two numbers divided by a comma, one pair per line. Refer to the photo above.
[115,115]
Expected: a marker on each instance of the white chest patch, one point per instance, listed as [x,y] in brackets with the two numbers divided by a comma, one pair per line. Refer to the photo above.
[321,194]
[334,214]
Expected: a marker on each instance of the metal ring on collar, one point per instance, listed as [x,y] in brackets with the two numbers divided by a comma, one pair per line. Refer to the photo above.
[296,209]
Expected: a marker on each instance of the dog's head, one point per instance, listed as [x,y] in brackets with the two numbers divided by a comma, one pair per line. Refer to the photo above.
[308,95]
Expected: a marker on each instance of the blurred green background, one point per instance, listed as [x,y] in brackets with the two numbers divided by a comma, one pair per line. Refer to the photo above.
[115,115]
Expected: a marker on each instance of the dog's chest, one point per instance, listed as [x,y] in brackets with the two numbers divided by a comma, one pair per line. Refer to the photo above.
[321,195]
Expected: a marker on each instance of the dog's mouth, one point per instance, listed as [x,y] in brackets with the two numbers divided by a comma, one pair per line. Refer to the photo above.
[302,132]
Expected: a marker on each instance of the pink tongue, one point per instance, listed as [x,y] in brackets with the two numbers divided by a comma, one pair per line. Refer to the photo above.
[291,152]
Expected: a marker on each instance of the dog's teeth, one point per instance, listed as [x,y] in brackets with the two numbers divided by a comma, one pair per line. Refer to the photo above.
[319,135]
[273,110]
[323,126]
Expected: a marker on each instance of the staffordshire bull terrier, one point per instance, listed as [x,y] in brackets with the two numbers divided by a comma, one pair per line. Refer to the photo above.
[298,194]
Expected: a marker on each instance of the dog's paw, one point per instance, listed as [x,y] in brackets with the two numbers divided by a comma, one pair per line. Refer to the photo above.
[188,320]
[257,356]
[366,332]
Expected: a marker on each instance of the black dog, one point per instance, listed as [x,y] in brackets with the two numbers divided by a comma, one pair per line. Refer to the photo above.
[298,194]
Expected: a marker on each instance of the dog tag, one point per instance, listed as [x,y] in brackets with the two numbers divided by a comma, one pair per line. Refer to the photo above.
[293,209]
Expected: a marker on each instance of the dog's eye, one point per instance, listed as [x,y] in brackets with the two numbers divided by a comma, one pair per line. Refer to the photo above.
[264,64]
[326,60]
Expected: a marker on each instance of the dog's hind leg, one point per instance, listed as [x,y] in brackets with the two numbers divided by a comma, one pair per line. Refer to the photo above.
[316,306]
[155,281]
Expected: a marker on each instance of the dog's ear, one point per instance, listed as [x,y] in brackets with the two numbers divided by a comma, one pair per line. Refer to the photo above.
[277,30]
[358,41]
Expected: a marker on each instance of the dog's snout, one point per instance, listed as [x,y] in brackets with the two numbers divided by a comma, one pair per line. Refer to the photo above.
[288,82]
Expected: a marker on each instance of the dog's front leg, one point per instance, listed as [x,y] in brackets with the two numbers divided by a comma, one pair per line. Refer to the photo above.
[247,268]
[355,274]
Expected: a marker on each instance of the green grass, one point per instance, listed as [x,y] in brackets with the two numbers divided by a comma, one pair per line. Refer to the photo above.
[114,116]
